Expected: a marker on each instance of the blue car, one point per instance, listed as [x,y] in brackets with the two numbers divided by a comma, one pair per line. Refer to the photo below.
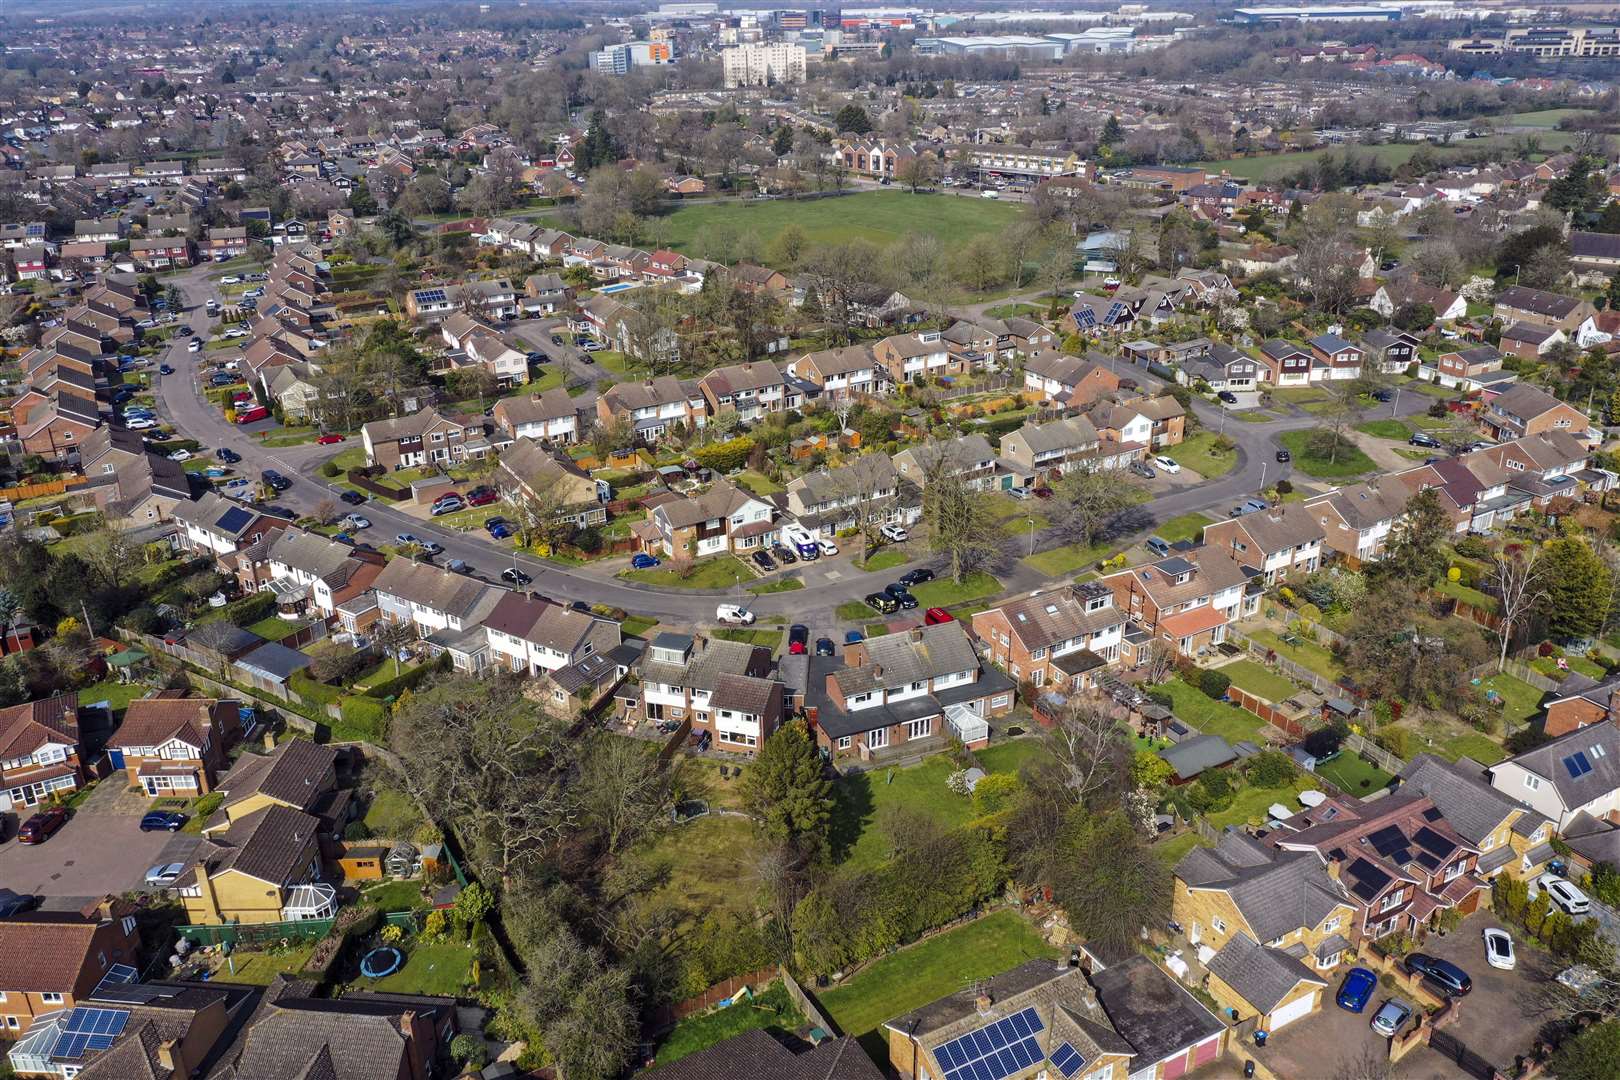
[163,820]
[853,637]
[644,562]
[1357,989]
[500,532]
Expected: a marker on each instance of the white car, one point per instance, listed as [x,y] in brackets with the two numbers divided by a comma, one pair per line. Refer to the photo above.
[1168,464]
[230,279]
[164,874]
[827,547]
[733,613]
[355,522]
[894,534]
[194,345]
[1564,894]
[140,423]
[180,455]
[1499,948]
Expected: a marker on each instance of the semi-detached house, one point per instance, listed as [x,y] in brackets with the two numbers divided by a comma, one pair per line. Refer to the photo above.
[547,417]
[432,599]
[1186,600]
[842,374]
[1049,449]
[312,574]
[1576,773]
[1357,520]
[1283,541]
[722,687]
[826,501]
[40,751]
[724,518]
[653,407]
[427,435]
[535,636]
[54,960]
[916,357]
[751,390]
[1062,638]
[1071,381]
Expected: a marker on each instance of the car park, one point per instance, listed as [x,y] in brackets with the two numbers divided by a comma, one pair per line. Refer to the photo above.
[1357,989]
[1390,1016]
[798,639]
[162,820]
[1168,464]
[882,603]
[1443,973]
[643,561]
[734,614]
[164,875]
[763,561]
[42,826]
[912,578]
[824,646]
[1563,892]
[513,576]
[1499,948]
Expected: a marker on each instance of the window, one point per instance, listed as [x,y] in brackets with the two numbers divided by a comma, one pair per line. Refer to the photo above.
[1218,926]
[877,738]
[918,729]
[1330,925]
[1328,961]
[844,742]
[11,1022]
[1533,783]
[49,998]
[1392,900]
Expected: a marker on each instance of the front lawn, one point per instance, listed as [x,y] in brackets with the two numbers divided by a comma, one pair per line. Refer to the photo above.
[1259,679]
[942,965]
[783,584]
[887,559]
[1307,654]
[1386,429]
[438,968]
[1210,716]
[1065,560]
[1184,527]
[721,572]
[637,625]
[943,591]
[854,611]
[1348,462]
[1199,453]
[772,1010]
[769,637]
[1353,773]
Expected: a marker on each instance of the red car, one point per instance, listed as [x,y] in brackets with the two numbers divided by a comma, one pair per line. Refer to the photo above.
[936,615]
[42,826]
[328,440]
[481,497]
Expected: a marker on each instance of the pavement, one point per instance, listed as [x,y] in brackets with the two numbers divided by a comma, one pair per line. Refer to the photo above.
[180,401]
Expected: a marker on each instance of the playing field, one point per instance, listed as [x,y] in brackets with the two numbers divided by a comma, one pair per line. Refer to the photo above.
[1264,167]
[881,217]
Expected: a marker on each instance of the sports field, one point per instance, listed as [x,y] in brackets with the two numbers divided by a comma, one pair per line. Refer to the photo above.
[1262,167]
[881,217]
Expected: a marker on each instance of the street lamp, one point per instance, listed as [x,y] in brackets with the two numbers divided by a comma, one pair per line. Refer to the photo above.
[1031,536]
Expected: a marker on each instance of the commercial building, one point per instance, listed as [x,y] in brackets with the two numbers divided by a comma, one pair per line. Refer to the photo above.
[619,59]
[1552,42]
[763,64]
[1325,13]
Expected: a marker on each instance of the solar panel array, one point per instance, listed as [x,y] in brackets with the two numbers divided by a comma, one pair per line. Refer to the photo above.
[431,296]
[1067,1060]
[234,518]
[993,1052]
[89,1029]
[1084,317]
[118,975]
[1577,764]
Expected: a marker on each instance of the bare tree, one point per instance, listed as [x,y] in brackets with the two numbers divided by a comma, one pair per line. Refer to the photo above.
[1088,499]
[1519,579]
[110,554]
[959,520]
[918,172]
[326,511]
[538,511]
[624,790]
[1367,1065]
[1088,748]
[392,635]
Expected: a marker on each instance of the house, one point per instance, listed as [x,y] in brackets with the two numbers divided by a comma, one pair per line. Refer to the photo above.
[1166,416]
[1595,252]
[826,501]
[546,294]
[1046,450]
[1285,364]
[548,417]
[724,518]
[1357,520]
[1465,367]
[174,747]
[1283,541]
[1390,352]
[60,426]
[1186,600]
[652,407]
[722,687]
[1125,430]
[1332,357]
[40,752]
[226,242]
[758,1053]
[1529,341]
[534,636]
[901,690]
[1267,924]
[433,599]
[842,374]
[1555,310]
[310,574]
[1095,315]
[264,867]
[218,526]
[530,471]
[1528,410]
[914,358]
[418,438]
[297,774]
[56,959]
[759,279]
[968,458]
[1575,773]
[1044,1019]
[1408,294]
[751,390]
[1070,381]
[1063,638]
[1509,836]
[1221,368]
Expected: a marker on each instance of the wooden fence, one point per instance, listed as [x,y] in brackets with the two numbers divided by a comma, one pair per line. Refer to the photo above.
[35,491]
[1285,722]
[1298,672]
[670,1015]
[1374,753]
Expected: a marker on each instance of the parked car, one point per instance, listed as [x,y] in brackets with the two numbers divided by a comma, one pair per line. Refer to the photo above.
[513,576]
[499,528]
[1390,1016]
[1144,471]
[882,603]
[1425,440]
[1227,396]
[643,561]
[1499,948]
[356,522]
[1382,394]
[353,498]
[798,639]
[164,874]
[1168,464]
[194,345]
[912,578]
[894,534]
[784,554]
[1564,893]
[827,547]
[936,615]
[824,646]
[276,481]
[329,439]
[901,595]
[227,455]
[456,566]
[1448,976]
[853,637]
[42,826]
[482,496]
[248,416]
[763,561]
[180,455]
[15,903]
[733,613]
[1158,546]
[162,821]
[1357,989]
[448,506]
[140,423]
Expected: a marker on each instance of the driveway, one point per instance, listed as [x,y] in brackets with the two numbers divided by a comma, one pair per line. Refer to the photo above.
[1318,1045]
[101,850]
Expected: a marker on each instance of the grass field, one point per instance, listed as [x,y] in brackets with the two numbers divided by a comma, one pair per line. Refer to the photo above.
[932,969]
[1199,454]
[1354,773]
[1385,429]
[1277,166]
[1184,527]
[1259,679]
[943,592]
[1542,118]
[720,572]
[1065,560]
[881,217]
[1349,461]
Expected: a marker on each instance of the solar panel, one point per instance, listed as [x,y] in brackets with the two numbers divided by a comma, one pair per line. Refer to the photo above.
[89,1029]
[995,1051]
[1067,1060]
[235,518]
[1577,764]
[1369,880]
[1429,840]
[1387,840]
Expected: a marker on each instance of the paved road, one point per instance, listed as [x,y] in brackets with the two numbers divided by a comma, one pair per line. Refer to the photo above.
[830,584]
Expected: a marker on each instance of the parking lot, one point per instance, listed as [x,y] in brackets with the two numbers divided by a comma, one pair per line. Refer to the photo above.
[100,850]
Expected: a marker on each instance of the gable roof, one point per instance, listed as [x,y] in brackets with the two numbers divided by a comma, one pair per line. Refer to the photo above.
[46,951]
[25,728]
[1263,975]
[1459,789]
[1577,773]
[1275,891]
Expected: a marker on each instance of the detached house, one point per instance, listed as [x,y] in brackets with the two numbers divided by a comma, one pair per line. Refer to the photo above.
[264,867]
[723,687]
[1282,542]
[40,751]
[1286,364]
[1468,368]
[1070,381]
[1390,352]
[751,390]
[1332,357]
[174,747]
[1577,773]
[1223,368]
[529,470]
[56,960]
[1061,638]
[1527,410]
[724,518]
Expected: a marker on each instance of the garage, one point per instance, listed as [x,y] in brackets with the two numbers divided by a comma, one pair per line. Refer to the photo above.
[1298,1009]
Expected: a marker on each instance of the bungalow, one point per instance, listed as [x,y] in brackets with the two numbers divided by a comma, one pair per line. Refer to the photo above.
[530,471]
[724,518]
[174,747]
[547,417]
[759,279]
[1063,638]
[1070,381]
[40,752]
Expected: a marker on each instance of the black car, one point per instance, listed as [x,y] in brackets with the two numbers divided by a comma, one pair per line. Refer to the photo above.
[516,577]
[162,821]
[276,481]
[589,359]
[1284,456]
[1228,397]
[763,561]
[1383,395]
[581,606]
[1448,976]
[883,603]
[824,646]
[221,379]
[536,357]
[182,330]
[798,639]
[15,903]
[283,512]
[901,595]
[912,578]
[1426,441]
[784,554]
[227,455]
[165,369]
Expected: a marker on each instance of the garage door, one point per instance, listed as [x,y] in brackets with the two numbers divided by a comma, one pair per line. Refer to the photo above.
[1284,1015]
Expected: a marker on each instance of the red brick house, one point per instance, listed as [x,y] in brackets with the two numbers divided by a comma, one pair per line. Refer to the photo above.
[55,959]
[39,751]
[175,746]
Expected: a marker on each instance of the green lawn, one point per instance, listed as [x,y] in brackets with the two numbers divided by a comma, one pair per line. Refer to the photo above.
[862,797]
[879,217]
[274,627]
[887,559]
[1548,666]
[758,482]
[1354,773]
[1210,716]
[115,694]
[854,611]
[391,815]
[1457,591]
[1541,118]
[943,591]
[720,572]
[1349,462]
[1306,654]
[438,968]
[770,637]
[1065,560]
[1520,700]
[1259,679]
[1482,748]
[1011,755]
[259,968]
[1198,453]
[709,864]
[1386,429]
[1299,395]
[1248,807]
[771,1010]
[783,584]
[394,895]
[637,625]
[1184,527]
[1015,311]
[932,969]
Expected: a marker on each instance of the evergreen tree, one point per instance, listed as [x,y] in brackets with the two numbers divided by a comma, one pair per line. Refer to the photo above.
[1577,595]
[1112,133]
[785,791]
[853,118]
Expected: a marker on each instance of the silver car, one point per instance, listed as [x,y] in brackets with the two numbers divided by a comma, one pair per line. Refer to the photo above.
[1390,1016]
[164,875]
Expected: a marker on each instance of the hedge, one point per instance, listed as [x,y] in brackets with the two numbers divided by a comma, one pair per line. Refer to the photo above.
[251,609]
[1215,683]
[364,717]
[392,688]
[313,691]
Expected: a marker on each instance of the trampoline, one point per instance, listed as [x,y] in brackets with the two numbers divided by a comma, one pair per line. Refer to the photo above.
[381,961]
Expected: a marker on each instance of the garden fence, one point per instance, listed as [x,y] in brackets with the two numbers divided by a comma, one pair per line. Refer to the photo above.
[235,934]
[1297,672]
[1371,751]
[668,1016]
[1524,672]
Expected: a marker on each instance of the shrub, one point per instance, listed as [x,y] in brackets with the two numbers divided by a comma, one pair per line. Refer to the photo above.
[435,925]
[251,608]
[1212,792]
[1473,547]
[993,794]
[357,830]
[1324,742]
[1311,612]
[204,807]
[330,470]
[392,934]
[1214,683]
[1397,740]
[1285,487]
[468,1050]
[1271,769]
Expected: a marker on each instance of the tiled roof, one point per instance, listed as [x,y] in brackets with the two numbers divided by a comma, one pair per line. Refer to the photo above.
[757,1054]
[1262,975]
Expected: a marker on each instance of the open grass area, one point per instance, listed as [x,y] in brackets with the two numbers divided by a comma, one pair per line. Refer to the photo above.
[390,814]
[862,798]
[1183,527]
[887,559]
[721,572]
[1306,654]
[394,896]
[1482,748]
[781,584]
[1347,463]
[437,968]
[1012,755]
[117,695]
[1068,559]
[1299,395]
[1210,716]
[1385,429]
[931,969]
[1520,700]
[879,217]
[943,591]
[1259,679]
[709,863]
[1249,807]
[1268,167]
[771,1010]
[1354,773]
[1199,453]
[1016,311]
[260,968]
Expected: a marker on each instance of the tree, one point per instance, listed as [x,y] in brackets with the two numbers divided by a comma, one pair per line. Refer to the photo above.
[852,118]
[539,510]
[1108,880]
[626,792]
[1574,602]
[785,792]
[1089,751]
[1517,577]
[110,553]
[1088,500]
[584,1007]
[1593,1054]
[1112,133]
[917,171]
[1414,554]
[392,636]
[959,520]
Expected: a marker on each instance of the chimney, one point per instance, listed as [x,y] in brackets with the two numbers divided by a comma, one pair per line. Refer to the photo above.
[983,1002]
[1333,868]
[647,383]
[915,634]
[168,1055]
[407,1020]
